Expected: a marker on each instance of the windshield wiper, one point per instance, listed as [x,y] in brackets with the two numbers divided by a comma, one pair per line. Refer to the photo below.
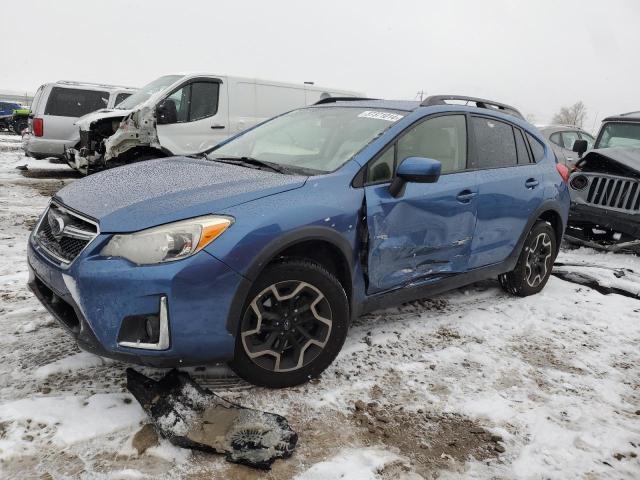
[250,162]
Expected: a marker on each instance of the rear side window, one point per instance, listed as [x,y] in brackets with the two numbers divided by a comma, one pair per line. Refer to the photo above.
[521,147]
[121,97]
[71,102]
[495,143]
[555,138]
[536,148]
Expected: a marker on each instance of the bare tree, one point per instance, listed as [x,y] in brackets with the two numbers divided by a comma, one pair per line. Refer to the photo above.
[573,115]
[531,118]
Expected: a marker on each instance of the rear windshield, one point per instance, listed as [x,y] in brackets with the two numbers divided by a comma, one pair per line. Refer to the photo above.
[72,102]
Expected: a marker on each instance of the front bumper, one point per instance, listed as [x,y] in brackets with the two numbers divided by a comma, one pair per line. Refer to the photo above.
[622,222]
[94,294]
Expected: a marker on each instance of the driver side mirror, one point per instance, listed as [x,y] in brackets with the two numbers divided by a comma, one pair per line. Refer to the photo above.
[580,146]
[166,112]
[415,169]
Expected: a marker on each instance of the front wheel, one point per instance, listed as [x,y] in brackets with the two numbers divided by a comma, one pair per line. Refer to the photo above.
[534,264]
[294,324]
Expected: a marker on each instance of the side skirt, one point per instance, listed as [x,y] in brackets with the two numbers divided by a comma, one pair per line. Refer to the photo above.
[408,294]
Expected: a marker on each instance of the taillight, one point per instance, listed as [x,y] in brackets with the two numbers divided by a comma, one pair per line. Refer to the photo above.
[563,171]
[38,127]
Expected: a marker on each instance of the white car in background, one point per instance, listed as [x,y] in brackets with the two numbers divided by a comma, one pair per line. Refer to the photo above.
[185,114]
[55,109]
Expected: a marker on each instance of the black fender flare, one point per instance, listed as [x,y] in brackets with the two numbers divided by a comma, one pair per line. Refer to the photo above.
[546,206]
[271,250]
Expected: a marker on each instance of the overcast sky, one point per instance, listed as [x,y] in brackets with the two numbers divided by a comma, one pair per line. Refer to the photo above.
[537,55]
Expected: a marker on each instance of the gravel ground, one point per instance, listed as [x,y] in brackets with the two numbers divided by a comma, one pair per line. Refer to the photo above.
[474,383]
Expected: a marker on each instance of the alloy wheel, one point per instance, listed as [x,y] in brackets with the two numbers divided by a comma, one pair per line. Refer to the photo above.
[286,326]
[538,260]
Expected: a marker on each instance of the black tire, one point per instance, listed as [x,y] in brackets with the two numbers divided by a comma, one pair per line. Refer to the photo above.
[534,264]
[290,357]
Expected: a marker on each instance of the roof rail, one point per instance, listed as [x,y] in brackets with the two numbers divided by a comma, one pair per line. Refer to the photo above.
[341,99]
[480,103]
[630,114]
[74,82]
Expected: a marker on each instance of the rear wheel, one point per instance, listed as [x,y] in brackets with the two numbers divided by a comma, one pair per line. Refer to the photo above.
[293,325]
[534,264]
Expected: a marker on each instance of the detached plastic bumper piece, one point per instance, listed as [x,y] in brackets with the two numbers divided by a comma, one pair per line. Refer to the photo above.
[190,416]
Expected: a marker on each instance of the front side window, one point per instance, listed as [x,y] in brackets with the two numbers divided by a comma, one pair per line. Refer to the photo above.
[121,97]
[74,102]
[495,143]
[381,169]
[194,101]
[619,135]
[568,138]
[316,139]
[441,138]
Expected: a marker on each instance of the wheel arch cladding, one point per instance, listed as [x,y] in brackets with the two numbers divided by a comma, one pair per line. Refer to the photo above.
[555,220]
[320,244]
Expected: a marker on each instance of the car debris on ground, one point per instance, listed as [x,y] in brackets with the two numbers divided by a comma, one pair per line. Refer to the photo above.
[190,416]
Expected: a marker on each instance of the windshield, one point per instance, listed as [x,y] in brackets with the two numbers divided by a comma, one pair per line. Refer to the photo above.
[149,89]
[319,139]
[619,135]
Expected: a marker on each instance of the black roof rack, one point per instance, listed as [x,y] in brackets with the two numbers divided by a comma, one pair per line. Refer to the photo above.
[341,99]
[480,103]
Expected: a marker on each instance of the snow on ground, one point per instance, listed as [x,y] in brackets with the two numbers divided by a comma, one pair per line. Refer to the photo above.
[472,384]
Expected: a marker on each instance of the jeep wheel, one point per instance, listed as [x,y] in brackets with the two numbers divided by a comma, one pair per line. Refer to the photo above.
[293,325]
[534,264]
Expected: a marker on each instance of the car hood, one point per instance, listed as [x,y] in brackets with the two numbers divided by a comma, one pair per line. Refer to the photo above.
[85,121]
[155,192]
[616,161]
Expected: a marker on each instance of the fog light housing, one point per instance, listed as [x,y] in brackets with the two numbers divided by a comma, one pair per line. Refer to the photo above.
[579,182]
[147,332]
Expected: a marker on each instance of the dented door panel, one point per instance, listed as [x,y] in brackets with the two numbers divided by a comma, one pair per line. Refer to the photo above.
[427,232]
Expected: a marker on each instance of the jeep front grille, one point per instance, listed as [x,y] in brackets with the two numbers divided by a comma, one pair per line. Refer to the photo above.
[608,191]
[63,234]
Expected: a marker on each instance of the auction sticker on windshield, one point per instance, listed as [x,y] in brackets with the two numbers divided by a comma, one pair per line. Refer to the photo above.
[390,117]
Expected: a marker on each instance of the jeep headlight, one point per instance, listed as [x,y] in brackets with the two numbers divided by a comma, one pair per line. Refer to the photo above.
[166,243]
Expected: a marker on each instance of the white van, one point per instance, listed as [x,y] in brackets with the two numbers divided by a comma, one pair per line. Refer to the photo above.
[55,109]
[185,114]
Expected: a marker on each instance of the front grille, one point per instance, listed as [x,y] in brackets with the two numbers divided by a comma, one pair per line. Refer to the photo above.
[611,192]
[63,234]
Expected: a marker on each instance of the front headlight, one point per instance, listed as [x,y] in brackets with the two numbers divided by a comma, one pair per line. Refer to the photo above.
[167,243]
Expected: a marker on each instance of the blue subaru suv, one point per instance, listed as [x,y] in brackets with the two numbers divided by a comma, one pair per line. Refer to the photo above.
[261,251]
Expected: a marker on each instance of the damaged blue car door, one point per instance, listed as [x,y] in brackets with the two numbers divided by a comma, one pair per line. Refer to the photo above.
[424,230]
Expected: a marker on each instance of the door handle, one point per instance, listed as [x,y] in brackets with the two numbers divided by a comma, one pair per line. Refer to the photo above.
[465,196]
[217,126]
[531,183]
